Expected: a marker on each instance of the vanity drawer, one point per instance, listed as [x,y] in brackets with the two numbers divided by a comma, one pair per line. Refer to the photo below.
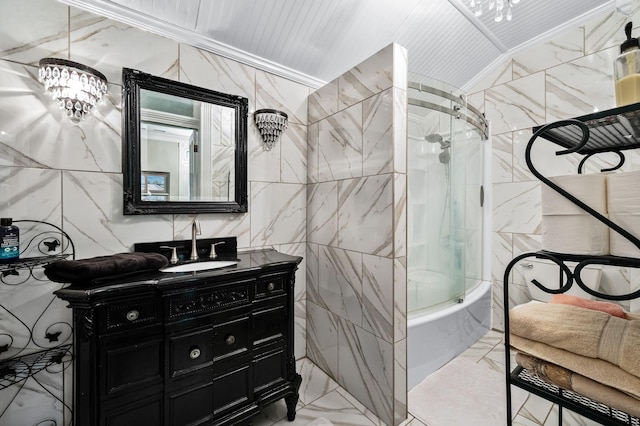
[231,338]
[190,352]
[271,285]
[133,314]
[198,302]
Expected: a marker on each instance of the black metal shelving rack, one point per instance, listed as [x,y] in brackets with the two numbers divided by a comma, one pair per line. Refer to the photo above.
[614,130]
[41,243]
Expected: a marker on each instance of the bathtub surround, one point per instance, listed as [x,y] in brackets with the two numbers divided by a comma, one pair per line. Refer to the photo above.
[567,76]
[356,232]
[455,328]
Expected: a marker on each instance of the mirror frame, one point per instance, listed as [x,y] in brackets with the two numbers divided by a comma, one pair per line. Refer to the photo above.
[132,82]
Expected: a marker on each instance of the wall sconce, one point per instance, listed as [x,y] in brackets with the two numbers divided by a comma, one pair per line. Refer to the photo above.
[77,87]
[271,123]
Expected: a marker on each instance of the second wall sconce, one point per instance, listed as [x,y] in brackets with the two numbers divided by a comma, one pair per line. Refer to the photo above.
[77,88]
[271,123]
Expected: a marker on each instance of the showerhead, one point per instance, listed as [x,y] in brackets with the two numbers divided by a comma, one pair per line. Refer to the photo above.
[436,138]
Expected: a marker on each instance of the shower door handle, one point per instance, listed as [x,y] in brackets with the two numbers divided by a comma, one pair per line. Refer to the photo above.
[481,196]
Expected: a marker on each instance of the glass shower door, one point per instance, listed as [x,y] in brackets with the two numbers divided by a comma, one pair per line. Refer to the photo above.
[445,217]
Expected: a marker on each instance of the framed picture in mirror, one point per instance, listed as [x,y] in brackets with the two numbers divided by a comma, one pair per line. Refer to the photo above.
[155,183]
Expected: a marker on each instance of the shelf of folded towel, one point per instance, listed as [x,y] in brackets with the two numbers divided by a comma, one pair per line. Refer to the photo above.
[580,354]
[576,402]
[20,368]
[614,129]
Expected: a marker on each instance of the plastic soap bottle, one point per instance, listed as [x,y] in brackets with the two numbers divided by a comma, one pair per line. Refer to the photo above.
[627,70]
[9,240]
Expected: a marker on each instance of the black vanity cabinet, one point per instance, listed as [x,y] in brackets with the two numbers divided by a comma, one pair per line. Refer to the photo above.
[197,348]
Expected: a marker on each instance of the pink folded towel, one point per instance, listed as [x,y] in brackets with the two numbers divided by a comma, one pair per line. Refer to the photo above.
[606,307]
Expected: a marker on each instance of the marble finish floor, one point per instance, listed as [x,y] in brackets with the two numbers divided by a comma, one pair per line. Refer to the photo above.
[324,402]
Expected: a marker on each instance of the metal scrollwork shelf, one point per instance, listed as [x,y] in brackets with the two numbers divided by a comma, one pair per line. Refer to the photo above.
[18,369]
[36,335]
[615,131]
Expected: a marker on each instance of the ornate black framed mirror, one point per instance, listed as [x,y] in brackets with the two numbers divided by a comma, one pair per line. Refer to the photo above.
[184,147]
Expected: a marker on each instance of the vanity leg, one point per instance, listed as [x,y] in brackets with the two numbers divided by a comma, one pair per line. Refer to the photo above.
[292,400]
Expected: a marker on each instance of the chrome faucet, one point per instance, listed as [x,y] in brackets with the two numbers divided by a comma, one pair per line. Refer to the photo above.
[195,230]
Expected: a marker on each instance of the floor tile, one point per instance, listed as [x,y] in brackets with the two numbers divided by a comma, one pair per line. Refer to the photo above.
[536,409]
[315,382]
[324,402]
[330,408]
[364,410]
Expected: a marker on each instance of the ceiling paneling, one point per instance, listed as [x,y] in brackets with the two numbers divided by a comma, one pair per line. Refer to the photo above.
[314,41]
[534,17]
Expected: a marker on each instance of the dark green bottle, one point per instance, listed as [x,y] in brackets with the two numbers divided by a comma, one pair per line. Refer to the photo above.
[9,240]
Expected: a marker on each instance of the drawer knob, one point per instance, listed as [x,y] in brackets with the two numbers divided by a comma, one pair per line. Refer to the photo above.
[133,315]
[271,286]
[194,353]
[230,340]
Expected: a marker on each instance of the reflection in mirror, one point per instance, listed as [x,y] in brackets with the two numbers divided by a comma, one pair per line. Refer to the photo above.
[185,147]
[171,131]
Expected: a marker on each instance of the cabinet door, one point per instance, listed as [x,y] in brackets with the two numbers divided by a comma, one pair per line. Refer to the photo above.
[143,412]
[232,387]
[192,406]
[268,324]
[269,368]
[131,361]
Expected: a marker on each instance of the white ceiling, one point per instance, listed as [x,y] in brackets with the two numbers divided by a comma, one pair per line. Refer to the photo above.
[314,41]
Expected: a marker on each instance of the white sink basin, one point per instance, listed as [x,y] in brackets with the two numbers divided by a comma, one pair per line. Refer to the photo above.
[200,266]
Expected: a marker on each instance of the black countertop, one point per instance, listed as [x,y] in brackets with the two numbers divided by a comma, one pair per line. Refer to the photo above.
[249,262]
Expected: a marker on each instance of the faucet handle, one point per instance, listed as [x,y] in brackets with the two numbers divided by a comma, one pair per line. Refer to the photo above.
[174,254]
[213,254]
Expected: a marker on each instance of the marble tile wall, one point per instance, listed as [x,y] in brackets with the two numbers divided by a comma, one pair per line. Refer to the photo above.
[567,76]
[356,232]
[71,176]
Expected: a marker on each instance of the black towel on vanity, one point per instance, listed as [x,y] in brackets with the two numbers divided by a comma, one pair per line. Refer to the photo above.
[73,271]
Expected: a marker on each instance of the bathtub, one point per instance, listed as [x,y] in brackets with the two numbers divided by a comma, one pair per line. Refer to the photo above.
[437,337]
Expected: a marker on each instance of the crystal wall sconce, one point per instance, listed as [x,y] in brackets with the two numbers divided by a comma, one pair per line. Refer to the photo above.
[77,88]
[271,123]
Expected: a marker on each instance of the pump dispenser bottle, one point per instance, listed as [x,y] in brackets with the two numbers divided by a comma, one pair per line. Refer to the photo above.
[627,70]
[9,240]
